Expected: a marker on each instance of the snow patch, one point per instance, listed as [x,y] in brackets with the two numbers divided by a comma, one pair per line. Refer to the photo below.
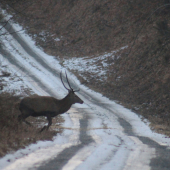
[97,67]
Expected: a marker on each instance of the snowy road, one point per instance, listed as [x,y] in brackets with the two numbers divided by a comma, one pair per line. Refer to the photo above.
[98,135]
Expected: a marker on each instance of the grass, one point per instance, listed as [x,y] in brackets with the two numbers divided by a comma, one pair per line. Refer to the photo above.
[15,135]
[99,26]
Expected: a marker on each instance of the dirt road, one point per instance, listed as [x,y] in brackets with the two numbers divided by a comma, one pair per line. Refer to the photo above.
[101,134]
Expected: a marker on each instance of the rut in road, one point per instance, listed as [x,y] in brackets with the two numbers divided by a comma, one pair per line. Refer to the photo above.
[161,160]
[63,157]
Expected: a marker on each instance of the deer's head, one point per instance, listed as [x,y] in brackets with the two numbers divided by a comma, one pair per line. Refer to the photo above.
[71,93]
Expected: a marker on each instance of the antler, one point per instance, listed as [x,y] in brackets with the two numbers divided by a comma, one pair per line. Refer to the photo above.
[68,83]
[62,80]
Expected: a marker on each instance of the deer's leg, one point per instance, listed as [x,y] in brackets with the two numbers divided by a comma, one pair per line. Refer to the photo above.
[49,123]
[27,122]
[23,116]
[43,129]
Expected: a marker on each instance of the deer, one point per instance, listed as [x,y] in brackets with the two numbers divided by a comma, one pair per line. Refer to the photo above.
[48,106]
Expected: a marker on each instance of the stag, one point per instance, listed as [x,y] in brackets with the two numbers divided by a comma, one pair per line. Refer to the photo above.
[47,106]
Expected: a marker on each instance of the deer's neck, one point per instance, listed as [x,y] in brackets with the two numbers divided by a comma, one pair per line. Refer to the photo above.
[65,105]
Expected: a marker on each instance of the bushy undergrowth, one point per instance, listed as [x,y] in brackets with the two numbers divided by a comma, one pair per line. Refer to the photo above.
[15,135]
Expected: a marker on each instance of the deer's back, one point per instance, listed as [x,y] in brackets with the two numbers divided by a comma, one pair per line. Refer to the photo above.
[40,104]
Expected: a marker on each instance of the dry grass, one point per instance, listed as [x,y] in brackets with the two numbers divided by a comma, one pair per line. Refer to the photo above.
[14,135]
[101,26]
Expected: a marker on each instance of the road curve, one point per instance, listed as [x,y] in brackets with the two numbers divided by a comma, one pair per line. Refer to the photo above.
[114,145]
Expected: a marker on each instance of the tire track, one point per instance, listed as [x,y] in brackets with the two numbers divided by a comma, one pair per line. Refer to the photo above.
[161,160]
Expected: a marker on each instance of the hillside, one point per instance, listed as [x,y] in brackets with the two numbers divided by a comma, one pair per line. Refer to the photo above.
[138,75]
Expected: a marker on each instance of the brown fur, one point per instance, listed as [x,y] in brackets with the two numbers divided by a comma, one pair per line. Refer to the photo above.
[46,106]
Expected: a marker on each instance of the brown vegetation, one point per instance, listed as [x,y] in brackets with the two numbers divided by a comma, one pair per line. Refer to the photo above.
[139,79]
[15,136]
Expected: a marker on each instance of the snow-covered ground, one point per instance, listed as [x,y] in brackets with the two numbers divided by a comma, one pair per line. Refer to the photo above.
[97,66]
[111,148]
[12,83]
